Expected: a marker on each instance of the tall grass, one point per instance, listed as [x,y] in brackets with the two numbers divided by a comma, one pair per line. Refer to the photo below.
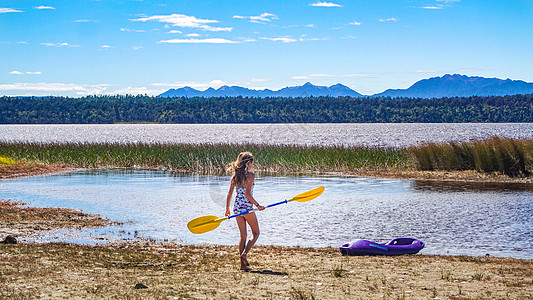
[512,157]
[207,158]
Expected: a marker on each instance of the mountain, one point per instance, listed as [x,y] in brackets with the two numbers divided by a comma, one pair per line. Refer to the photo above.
[461,86]
[305,90]
[436,87]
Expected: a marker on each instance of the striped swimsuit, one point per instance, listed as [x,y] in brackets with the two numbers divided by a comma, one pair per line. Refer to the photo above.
[242,203]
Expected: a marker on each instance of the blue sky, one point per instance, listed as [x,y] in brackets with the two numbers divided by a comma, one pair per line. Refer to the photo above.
[85,47]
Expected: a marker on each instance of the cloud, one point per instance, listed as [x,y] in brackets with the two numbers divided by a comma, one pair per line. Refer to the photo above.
[199,41]
[443,4]
[34,73]
[325,4]
[175,31]
[41,87]
[265,17]
[136,90]
[44,7]
[4,10]
[281,39]
[355,23]
[193,35]
[16,73]
[132,30]
[59,45]
[184,21]
[389,20]
[85,21]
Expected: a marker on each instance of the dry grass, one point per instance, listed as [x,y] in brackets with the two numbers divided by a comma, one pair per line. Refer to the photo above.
[62,271]
[17,218]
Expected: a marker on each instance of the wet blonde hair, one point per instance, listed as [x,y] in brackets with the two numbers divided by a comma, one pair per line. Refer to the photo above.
[240,168]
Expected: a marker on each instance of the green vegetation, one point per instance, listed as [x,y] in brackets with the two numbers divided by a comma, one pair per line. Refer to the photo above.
[142,109]
[507,156]
[6,161]
[208,158]
[501,155]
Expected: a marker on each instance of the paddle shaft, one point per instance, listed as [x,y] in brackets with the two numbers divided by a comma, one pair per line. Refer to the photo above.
[247,212]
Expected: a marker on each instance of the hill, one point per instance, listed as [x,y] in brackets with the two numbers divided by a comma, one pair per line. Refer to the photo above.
[437,87]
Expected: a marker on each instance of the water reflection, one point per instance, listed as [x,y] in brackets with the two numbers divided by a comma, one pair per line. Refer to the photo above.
[478,187]
[451,218]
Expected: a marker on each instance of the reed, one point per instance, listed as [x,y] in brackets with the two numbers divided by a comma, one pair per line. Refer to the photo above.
[512,157]
[207,158]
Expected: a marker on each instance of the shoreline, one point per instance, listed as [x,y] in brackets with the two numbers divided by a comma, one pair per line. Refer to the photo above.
[148,269]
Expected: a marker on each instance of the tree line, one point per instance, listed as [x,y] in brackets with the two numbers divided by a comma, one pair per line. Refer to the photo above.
[147,109]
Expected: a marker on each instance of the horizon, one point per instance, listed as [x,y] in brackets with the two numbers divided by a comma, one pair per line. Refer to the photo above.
[60,48]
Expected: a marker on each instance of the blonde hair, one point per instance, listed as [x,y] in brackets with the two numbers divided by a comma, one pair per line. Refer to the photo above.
[240,168]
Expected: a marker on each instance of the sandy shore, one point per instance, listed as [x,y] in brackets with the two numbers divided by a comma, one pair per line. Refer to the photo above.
[170,271]
[62,271]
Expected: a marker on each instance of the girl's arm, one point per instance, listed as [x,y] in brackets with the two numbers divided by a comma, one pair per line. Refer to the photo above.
[248,193]
[228,198]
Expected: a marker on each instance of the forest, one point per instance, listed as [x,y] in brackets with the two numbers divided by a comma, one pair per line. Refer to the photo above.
[148,109]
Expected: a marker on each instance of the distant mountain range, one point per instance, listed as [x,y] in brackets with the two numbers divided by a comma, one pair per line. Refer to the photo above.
[436,87]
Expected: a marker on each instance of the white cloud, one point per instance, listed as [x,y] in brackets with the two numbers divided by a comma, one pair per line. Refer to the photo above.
[199,41]
[175,31]
[59,45]
[264,17]
[325,4]
[132,30]
[22,73]
[85,21]
[193,35]
[281,39]
[44,7]
[40,88]
[136,90]
[389,20]
[4,10]
[184,21]
[136,47]
[22,43]
[433,7]
[355,23]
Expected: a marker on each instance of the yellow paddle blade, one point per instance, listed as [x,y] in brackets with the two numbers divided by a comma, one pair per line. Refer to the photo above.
[309,195]
[204,224]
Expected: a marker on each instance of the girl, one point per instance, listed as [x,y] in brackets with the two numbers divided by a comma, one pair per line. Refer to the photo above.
[243,182]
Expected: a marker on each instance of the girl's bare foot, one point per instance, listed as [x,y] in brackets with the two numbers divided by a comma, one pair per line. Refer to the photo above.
[245,268]
[244,261]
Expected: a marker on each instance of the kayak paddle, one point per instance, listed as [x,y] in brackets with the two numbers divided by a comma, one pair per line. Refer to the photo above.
[208,223]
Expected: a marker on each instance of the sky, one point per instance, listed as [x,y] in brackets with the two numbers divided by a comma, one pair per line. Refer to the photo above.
[92,47]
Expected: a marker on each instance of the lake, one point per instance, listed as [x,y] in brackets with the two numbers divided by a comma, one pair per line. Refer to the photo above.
[451,218]
[374,134]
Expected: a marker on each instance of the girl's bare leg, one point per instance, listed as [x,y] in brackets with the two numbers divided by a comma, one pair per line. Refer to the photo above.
[251,219]
[241,222]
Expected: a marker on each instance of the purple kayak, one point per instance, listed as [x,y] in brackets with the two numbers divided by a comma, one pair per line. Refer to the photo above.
[397,246]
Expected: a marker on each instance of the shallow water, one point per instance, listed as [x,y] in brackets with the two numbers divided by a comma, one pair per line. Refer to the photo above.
[451,218]
[353,134]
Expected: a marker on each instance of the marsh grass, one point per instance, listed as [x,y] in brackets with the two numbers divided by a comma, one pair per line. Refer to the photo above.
[207,158]
[6,161]
[512,157]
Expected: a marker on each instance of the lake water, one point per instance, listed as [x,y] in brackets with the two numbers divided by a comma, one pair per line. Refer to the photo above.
[451,218]
[375,134]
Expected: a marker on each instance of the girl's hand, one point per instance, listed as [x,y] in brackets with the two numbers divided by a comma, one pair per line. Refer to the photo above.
[260,207]
[227,212]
